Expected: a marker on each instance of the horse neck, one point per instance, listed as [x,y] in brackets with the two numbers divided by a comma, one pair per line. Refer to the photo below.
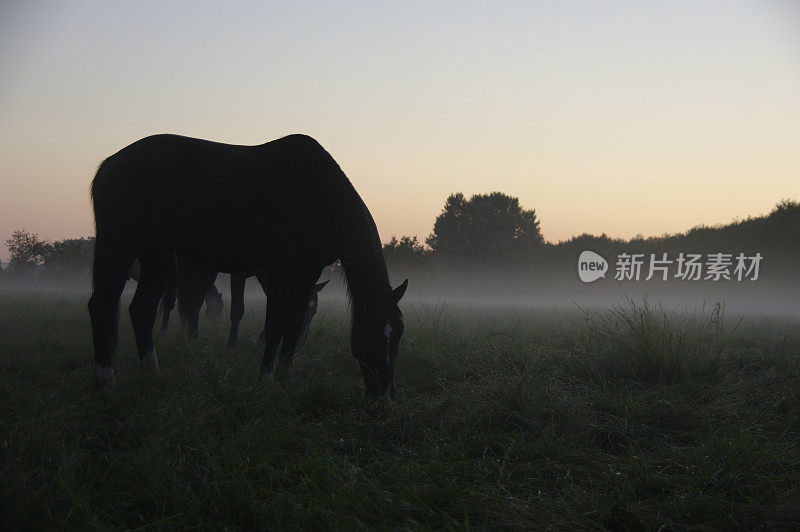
[365,268]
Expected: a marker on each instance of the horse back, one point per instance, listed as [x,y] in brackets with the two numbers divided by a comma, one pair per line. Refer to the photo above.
[213,200]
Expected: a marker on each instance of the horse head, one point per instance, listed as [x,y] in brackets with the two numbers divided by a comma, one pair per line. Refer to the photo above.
[375,336]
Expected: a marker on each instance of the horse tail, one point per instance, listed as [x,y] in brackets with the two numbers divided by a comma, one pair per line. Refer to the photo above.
[104,251]
[101,250]
[101,170]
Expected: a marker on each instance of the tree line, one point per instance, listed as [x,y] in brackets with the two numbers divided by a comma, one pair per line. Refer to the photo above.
[63,259]
[486,229]
[495,230]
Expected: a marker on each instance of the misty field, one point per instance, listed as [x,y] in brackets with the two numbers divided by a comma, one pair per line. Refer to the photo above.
[628,418]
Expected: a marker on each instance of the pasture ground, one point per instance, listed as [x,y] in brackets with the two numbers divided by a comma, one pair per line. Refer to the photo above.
[505,418]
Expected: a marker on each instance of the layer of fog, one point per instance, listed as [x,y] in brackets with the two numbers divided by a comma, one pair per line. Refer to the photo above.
[769,297]
[554,290]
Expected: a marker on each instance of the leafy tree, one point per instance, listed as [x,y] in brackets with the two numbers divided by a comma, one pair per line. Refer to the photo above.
[786,207]
[27,251]
[486,226]
[406,250]
[70,258]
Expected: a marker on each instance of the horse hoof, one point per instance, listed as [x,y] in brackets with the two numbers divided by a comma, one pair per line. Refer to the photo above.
[104,377]
[149,361]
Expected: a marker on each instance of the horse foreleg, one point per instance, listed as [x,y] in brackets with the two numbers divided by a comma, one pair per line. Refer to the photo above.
[189,306]
[262,280]
[302,290]
[168,303]
[307,317]
[278,293]
[237,306]
[193,283]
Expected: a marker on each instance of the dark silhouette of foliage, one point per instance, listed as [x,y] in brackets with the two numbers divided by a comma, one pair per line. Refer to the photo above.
[70,258]
[27,251]
[786,207]
[776,236]
[487,226]
[406,251]
[64,259]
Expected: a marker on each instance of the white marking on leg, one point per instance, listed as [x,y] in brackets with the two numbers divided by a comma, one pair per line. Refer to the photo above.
[149,361]
[104,376]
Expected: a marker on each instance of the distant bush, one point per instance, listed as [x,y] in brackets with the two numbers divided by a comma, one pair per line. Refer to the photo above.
[27,252]
[786,207]
[70,259]
[485,227]
[406,251]
[776,236]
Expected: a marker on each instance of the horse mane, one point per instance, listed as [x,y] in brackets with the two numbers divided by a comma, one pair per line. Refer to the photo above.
[363,263]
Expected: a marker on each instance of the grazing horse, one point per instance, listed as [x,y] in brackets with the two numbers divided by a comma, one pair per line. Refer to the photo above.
[215,306]
[237,306]
[284,206]
[191,277]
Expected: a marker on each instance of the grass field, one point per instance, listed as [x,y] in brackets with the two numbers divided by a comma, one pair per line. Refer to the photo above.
[505,418]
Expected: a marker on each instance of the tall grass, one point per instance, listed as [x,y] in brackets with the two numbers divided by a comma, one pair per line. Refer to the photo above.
[635,417]
[655,345]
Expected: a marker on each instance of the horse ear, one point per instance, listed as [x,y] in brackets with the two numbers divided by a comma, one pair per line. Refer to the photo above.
[320,286]
[398,292]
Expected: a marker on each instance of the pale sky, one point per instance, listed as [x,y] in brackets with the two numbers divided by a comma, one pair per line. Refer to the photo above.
[604,116]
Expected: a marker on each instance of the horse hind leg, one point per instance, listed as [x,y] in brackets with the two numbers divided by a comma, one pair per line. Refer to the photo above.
[112,263]
[156,268]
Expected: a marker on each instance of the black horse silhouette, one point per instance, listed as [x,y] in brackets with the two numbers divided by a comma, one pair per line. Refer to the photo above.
[237,305]
[284,206]
[190,304]
[215,305]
